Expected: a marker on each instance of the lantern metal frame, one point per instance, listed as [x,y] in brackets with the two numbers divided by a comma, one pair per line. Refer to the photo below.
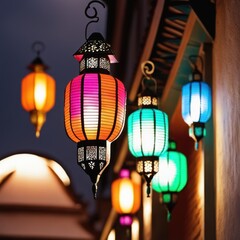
[197,128]
[147,163]
[169,197]
[95,104]
[125,216]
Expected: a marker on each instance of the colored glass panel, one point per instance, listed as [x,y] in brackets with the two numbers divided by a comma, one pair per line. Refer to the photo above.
[196,102]
[147,132]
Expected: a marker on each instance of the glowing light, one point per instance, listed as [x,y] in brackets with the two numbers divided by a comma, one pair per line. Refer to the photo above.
[30,165]
[126,195]
[135,229]
[167,172]
[40,91]
[147,132]
[112,235]
[147,216]
[57,168]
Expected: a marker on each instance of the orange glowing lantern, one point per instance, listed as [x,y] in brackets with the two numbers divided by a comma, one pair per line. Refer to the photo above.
[38,91]
[126,197]
[94,107]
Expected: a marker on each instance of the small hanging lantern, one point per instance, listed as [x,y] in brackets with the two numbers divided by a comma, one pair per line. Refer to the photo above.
[126,197]
[171,177]
[95,105]
[38,90]
[196,105]
[147,129]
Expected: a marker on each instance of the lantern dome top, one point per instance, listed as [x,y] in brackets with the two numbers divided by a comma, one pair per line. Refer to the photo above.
[95,45]
[36,64]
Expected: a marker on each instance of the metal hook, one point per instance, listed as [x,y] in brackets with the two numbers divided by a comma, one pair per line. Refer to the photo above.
[192,62]
[38,47]
[148,68]
[92,16]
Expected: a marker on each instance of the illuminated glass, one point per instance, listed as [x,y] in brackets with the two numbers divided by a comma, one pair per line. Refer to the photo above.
[126,197]
[173,174]
[196,102]
[147,132]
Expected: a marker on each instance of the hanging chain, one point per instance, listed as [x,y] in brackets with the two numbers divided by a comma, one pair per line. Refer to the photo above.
[193,61]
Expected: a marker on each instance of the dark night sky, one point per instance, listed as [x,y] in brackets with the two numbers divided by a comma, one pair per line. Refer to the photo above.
[60,24]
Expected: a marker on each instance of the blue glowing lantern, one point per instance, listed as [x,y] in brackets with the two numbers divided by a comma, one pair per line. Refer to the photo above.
[147,133]
[172,176]
[196,106]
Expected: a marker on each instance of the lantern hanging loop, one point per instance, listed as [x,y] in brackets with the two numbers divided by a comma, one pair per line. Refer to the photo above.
[38,47]
[93,14]
[193,62]
[148,68]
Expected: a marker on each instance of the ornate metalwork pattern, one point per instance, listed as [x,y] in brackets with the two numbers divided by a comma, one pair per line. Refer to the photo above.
[80,154]
[147,101]
[104,63]
[91,164]
[83,166]
[95,46]
[92,62]
[82,65]
[101,165]
[91,153]
[140,166]
[102,153]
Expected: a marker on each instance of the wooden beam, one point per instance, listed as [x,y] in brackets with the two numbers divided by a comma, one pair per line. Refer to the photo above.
[147,49]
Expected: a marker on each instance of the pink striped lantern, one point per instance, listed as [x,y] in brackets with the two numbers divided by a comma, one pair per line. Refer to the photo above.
[95,106]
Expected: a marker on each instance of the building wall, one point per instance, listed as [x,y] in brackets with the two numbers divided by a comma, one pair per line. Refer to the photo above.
[187,215]
[226,118]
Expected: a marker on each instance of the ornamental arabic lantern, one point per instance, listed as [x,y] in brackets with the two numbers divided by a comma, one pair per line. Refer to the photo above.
[126,197]
[95,105]
[171,177]
[147,128]
[38,90]
[196,104]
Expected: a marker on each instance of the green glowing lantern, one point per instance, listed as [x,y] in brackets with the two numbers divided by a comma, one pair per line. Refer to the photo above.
[148,131]
[171,177]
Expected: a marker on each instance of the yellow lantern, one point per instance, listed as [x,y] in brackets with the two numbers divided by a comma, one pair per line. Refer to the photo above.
[38,91]
[126,197]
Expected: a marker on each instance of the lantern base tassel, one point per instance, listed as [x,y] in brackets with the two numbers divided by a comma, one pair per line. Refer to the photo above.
[37,118]
[95,161]
[148,189]
[169,200]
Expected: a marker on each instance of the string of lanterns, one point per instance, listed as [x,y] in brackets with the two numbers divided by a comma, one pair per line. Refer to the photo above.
[94,116]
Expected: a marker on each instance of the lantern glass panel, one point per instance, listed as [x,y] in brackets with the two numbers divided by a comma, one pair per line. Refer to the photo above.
[172,174]
[196,102]
[126,195]
[147,132]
